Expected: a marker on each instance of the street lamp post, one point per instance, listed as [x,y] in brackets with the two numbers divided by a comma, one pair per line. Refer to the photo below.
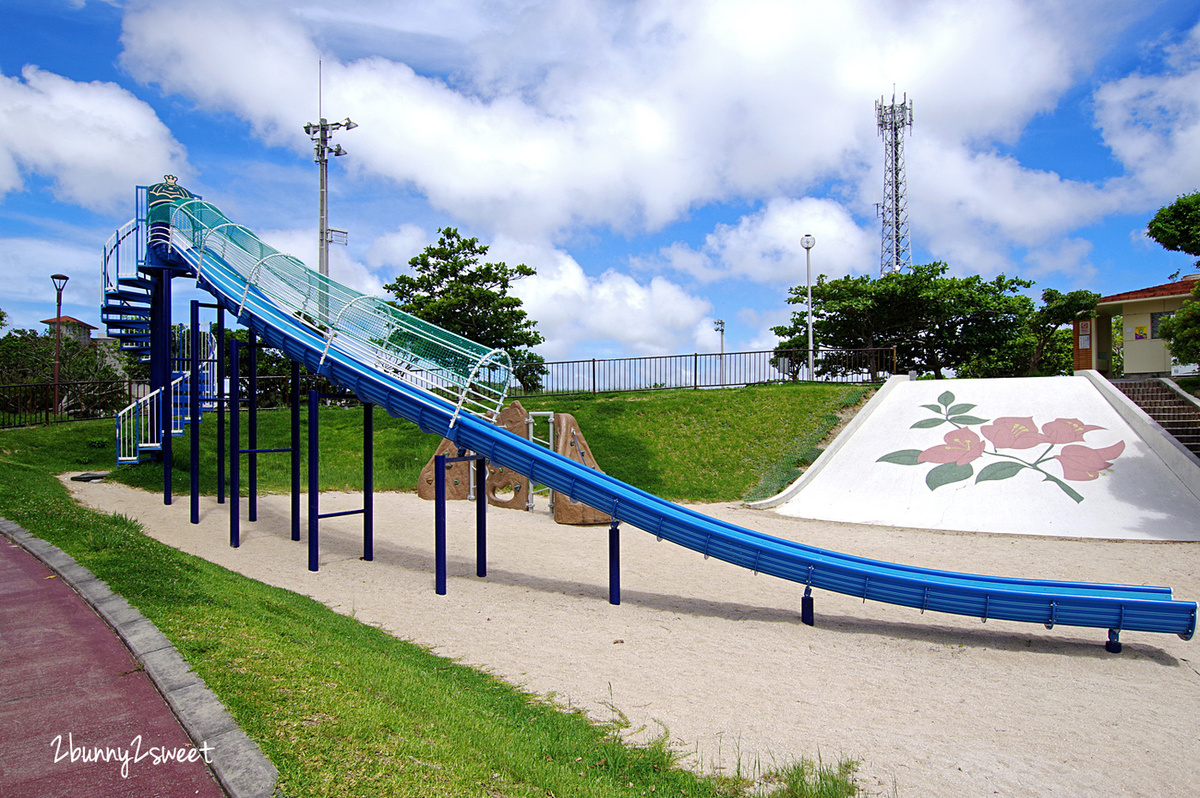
[719,326]
[60,282]
[808,242]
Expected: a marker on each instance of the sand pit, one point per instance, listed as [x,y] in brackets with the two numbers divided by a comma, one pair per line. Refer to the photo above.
[932,704]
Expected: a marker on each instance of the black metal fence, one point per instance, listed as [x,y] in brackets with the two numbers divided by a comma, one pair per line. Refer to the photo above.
[732,369]
[23,405]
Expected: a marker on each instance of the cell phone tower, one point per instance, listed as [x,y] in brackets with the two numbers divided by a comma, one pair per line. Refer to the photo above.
[894,119]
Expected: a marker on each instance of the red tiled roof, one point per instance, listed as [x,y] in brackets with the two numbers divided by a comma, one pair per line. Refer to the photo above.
[1178,288]
[68,320]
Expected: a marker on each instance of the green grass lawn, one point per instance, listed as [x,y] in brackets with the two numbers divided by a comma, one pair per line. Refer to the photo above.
[342,708]
[683,445]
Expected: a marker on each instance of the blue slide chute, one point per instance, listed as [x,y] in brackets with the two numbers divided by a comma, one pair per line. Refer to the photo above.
[366,346]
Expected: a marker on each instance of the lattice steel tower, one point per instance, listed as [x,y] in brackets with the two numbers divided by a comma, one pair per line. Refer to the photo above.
[894,120]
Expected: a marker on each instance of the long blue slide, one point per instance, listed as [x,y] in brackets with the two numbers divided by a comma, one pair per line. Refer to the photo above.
[319,323]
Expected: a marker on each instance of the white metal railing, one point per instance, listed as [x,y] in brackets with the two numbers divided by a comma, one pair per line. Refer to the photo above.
[363,327]
[139,426]
[181,349]
[121,254]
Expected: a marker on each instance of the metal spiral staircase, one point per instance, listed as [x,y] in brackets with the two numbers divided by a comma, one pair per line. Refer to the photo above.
[128,314]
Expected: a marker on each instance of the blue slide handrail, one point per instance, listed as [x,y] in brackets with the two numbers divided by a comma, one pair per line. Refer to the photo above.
[1106,606]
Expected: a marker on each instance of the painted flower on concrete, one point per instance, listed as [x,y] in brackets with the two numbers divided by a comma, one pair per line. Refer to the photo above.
[961,446]
[1081,463]
[954,459]
[1067,430]
[1012,432]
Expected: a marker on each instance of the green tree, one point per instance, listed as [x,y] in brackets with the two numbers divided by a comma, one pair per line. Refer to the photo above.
[1046,328]
[1182,330]
[90,379]
[1177,226]
[452,287]
[936,323]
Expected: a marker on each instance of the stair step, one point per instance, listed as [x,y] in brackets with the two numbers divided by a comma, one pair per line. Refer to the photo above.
[109,311]
[121,295]
[136,282]
[127,324]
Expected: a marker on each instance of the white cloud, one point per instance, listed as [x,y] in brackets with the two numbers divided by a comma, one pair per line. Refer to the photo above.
[91,140]
[396,249]
[579,313]
[29,295]
[764,246]
[1069,257]
[1152,123]
[626,115]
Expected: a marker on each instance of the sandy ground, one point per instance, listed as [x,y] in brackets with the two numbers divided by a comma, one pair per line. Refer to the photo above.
[932,704]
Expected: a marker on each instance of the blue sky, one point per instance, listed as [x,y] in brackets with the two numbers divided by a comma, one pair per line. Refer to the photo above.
[656,161]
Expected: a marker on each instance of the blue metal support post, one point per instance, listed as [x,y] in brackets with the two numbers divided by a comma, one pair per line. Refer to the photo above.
[614,562]
[314,501]
[441,462]
[235,447]
[439,524]
[481,503]
[314,473]
[222,398]
[160,337]
[368,481]
[194,411]
[252,431]
[295,450]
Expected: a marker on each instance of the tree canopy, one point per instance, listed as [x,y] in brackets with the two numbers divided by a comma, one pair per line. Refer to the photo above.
[1177,226]
[92,382]
[1181,332]
[452,287]
[939,324]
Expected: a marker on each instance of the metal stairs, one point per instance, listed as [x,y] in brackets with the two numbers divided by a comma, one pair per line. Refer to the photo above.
[140,425]
[1174,411]
[126,314]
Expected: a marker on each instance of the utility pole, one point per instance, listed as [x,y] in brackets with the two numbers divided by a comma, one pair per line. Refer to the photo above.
[319,133]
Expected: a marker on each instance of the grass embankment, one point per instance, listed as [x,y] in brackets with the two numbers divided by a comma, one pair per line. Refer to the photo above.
[683,445]
[342,708]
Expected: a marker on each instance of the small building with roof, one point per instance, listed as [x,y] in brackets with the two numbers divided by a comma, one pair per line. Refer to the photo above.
[72,329]
[1141,312]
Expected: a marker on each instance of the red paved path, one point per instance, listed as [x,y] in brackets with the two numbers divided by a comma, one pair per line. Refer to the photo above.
[64,671]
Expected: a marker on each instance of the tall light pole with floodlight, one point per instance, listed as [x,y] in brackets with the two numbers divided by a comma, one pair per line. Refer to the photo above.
[60,282]
[319,133]
[808,242]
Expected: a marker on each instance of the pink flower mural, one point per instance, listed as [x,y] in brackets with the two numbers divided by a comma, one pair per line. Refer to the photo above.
[1081,463]
[1012,432]
[954,459]
[1067,430]
[961,446]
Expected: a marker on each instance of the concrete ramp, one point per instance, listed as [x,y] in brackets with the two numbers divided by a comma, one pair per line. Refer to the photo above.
[1063,456]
